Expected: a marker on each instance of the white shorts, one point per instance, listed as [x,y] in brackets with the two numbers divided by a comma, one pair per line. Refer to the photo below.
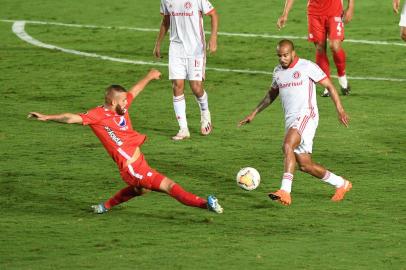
[306,125]
[403,16]
[192,69]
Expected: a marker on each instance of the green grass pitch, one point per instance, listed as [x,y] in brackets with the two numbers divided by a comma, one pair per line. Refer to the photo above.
[51,173]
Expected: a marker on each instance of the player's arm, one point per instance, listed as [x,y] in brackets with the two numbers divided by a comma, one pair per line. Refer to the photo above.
[270,96]
[67,118]
[395,6]
[162,32]
[342,115]
[284,17]
[212,46]
[349,12]
[153,74]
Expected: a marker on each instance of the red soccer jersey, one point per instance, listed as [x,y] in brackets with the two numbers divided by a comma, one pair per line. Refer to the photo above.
[114,131]
[331,8]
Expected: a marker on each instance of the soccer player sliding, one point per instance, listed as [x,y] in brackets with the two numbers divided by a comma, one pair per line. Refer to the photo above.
[111,123]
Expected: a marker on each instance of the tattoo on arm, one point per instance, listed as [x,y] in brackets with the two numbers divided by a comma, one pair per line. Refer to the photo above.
[268,99]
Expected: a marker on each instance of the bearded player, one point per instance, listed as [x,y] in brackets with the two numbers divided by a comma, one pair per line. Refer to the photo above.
[326,19]
[294,80]
[111,123]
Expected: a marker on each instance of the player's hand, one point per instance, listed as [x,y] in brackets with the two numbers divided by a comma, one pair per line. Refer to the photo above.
[348,13]
[281,21]
[343,118]
[38,116]
[246,120]
[396,4]
[157,52]
[154,74]
[212,45]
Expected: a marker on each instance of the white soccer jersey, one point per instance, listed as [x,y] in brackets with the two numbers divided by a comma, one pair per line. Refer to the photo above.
[187,38]
[297,87]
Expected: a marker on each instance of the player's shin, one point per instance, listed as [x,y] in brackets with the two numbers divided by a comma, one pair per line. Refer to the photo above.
[123,195]
[187,198]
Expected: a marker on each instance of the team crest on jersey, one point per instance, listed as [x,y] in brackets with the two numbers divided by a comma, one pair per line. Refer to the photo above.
[188,5]
[296,75]
[122,123]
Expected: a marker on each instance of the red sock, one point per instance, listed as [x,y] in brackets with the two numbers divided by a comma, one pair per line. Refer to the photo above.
[187,198]
[322,61]
[122,196]
[339,60]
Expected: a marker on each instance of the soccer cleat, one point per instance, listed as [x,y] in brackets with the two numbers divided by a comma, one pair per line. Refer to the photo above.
[346,91]
[282,196]
[340,192]
[213,205]
[182,134]
[99,208]
[325,93]
[205,123]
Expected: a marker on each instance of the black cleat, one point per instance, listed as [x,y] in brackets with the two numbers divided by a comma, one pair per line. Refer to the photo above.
[346,91]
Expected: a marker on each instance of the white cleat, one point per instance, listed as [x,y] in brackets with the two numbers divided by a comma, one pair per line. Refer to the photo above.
[182,135]
[213,205]
[99,209]
[205,121]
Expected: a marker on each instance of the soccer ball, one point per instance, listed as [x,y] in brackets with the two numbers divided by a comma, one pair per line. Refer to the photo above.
[248,178]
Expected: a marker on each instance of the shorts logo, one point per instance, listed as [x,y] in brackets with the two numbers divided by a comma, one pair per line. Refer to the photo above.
[197,75]
[149,174]
[188,5]
[296,75]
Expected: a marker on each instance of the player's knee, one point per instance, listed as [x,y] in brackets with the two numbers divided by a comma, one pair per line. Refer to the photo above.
[305,167]
[335,46]
[287,148]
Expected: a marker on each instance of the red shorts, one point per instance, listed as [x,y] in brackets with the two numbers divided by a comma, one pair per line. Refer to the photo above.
[320,26]
[140,175]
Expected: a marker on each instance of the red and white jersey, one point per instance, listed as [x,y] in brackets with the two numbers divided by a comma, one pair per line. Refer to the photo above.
[330,8]
[187,38]
[114,131]
[297,87]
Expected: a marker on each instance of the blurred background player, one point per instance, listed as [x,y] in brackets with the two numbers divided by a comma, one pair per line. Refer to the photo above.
[294,80]
[326,19]
[187,56]
[111,123]
[402,23]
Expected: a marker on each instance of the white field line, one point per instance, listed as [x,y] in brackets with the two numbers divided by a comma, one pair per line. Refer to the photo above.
[247,35]
[19,29]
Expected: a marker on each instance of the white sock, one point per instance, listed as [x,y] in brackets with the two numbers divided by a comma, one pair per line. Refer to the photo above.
[287,180]
[203,102]
[343,81]
[333,179]
[325,91]
[179,105]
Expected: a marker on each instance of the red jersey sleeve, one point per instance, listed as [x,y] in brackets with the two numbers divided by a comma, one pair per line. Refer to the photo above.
[90,117]
[130,99]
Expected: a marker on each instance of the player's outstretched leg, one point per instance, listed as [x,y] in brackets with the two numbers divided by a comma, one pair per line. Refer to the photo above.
[340,62]
[121,196]
[176,191]
[307,165]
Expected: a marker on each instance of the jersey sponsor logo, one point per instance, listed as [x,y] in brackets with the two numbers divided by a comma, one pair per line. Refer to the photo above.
[290,84]
[296,75]
[181,14]
[188,5]
[113,136]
